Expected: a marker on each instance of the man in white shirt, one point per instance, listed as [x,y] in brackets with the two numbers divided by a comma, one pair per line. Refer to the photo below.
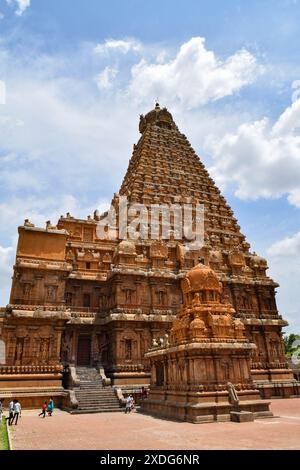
[128,405]
[10,412]
[17,412]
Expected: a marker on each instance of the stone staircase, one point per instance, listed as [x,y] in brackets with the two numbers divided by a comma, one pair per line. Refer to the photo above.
[91,395]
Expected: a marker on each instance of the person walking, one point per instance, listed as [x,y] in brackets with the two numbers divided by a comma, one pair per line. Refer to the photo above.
[143,393]
[131,402]
[44,409]
[10,412]
[17,412]
[50,407]
[128,405]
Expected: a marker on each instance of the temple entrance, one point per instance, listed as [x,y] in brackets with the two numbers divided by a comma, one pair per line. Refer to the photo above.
[84,351]
[160,374]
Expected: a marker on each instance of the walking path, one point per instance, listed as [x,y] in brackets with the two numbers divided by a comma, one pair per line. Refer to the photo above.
[109,431]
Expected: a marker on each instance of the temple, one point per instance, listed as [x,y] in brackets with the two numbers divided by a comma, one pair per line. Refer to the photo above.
[83,299]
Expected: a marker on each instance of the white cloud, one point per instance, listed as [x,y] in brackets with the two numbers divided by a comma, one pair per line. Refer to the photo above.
[105,79]
[14,211]
[263,161]
[288,247]
[6,260]
[284,257]
[2,90]
[21,5]
[122,46]
[194,77]
[294,197]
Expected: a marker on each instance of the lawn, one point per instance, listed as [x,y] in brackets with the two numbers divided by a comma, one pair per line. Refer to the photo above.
[3,436]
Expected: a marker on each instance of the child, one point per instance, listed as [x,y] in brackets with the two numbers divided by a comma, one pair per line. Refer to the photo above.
[44,409]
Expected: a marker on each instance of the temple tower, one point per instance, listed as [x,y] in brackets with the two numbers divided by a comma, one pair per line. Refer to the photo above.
[89,299]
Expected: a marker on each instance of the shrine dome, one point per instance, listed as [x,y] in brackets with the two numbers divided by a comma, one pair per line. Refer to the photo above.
[126,247]
[159,117]
[258,261]
[201,278]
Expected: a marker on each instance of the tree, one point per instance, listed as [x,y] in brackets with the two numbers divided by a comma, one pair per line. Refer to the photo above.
[291,344]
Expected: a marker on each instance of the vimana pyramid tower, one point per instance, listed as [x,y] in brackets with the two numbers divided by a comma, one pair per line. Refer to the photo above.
[81,298]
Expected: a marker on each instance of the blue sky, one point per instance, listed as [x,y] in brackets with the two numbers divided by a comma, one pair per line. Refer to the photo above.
[78,74]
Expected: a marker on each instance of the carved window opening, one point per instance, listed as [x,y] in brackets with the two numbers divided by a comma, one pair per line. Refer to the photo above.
[128,349]
[69,298]
[88,265]
[161,297]
[159,374]
[88,234]
[86,300]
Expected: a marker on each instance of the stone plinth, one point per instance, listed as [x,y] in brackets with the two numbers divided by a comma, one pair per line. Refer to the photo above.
[241,416]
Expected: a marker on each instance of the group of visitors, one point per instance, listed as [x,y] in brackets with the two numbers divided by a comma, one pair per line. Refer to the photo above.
[47,408]
[129,406]
[14,411]
[129,402]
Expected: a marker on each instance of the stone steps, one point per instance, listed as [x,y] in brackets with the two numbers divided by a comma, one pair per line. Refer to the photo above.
[97,404]
[95,393]
[92,396]
[96,410]
[97,399]
[91,385]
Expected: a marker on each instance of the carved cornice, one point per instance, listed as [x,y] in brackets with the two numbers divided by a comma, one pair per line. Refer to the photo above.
[31,369]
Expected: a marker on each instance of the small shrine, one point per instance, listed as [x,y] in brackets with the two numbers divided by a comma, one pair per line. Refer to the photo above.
[202,374]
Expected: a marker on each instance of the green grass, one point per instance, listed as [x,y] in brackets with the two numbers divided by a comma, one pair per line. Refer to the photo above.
[3,436]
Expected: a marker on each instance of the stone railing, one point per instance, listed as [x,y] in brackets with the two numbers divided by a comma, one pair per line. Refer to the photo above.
[271,316]
[202,387]
[44,308]
[105,380]
[81,315]
[269,365]
[83,309]
[70,377]
[43,369]
[128,368]
[120,396]
[245,315]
